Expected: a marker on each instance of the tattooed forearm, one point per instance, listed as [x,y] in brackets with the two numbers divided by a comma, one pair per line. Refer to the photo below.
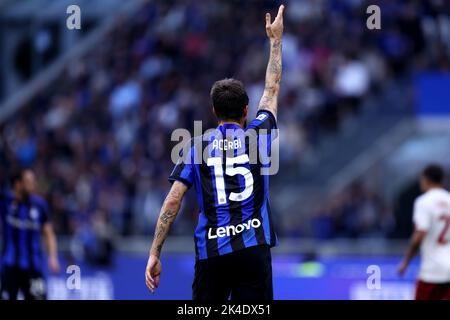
[157,250]
[162,228]
[275,69]
[274,66]
[168,214]
[269,99]
[167,217]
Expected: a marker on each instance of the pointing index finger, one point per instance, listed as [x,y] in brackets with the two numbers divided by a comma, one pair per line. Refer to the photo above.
[280,12]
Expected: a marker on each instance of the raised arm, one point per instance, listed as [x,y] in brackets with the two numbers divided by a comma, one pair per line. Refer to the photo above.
[269,100]
[169,212]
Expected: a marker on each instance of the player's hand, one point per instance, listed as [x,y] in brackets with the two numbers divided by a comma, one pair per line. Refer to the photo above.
[153,272]
[275,30]
[402,268]
[53,264]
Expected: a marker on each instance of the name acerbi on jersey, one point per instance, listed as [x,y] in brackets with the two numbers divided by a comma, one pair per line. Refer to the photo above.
[224,144]
[233,230]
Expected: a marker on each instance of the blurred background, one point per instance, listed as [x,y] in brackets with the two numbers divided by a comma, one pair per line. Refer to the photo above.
[361,113]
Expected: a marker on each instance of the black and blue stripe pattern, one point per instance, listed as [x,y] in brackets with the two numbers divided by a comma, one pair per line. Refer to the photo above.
[226,225]
[22,224]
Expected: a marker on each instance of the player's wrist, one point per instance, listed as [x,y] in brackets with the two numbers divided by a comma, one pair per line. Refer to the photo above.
[275,45]
[155,253]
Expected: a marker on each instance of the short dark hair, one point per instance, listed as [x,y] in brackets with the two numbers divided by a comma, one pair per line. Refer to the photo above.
[434,173]
[229,99]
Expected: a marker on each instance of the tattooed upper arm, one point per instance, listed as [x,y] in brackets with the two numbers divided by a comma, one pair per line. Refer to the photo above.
[177,191]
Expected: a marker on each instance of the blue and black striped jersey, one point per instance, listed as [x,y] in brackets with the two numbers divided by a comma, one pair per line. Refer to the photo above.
[22,224]
[226,167]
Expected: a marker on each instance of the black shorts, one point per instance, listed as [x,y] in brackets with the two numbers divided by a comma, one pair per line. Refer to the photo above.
[244,275]
[30,283]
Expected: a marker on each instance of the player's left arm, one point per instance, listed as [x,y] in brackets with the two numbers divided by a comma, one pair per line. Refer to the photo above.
[169,212]
[52,246]
[413,247]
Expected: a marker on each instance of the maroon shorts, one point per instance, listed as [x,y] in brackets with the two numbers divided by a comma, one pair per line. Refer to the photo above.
[432,291]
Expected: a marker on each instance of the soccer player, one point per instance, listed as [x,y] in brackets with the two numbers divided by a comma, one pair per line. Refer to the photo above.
[432,221]
[24,218]
[234,232]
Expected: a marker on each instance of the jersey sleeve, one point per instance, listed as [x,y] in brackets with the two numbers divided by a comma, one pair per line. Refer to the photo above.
[264,120]
[421,216]
[261,136]
[184,169]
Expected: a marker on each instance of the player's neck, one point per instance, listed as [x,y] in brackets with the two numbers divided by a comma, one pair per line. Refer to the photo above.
[434,187]
[239,123]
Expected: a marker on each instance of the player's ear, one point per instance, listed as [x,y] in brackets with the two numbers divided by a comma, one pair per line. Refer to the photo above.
[244,115]
[214,111]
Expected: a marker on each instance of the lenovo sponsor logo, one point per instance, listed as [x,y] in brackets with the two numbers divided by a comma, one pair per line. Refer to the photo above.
[233,230]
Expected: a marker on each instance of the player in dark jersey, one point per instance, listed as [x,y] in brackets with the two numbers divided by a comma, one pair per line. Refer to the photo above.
[24,217]
[234,232]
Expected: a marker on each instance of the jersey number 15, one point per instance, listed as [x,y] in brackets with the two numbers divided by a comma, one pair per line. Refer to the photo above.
[231,170]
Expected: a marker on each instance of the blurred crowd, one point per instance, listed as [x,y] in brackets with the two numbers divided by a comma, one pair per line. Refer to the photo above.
[99,137]
[359,211]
